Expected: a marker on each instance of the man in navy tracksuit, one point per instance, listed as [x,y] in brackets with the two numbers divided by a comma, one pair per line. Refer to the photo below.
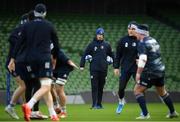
[34,45]
[61,72]
[13,38]
[99,52]
[32,83]
[126,54]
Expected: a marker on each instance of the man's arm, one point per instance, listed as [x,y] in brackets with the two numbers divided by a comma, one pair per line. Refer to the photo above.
[142,60]
[55,41]
[117,57]
[19,42]
[86,52]
[118,54]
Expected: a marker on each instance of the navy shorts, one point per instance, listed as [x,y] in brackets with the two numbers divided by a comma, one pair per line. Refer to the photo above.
[22,71]
[149,82]
[39,69]
[61,77]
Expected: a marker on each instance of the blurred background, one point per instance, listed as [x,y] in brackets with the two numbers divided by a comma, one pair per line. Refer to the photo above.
[76,22]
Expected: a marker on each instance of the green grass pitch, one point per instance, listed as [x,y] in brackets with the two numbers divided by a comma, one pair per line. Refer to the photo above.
[81,113]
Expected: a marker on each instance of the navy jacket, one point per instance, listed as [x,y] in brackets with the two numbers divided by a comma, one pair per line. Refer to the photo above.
[13,38]
[62,65]
[36,37]
[126,54]
[99,50]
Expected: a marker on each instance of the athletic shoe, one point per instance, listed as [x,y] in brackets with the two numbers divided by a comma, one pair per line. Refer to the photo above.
[54,118]
[63,115]
[27,112]
[99,107]
[93,107]
[119,108]
[11,112]
[172,115]
[143,117]
[38,115]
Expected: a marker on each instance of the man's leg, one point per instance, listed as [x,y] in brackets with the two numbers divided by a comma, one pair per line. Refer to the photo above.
[124,78]
[94,88]
[36,86]
[139,93]
[62,97]
[36,114]
[55,98]
[167,100]
[44,91]
[102,80]
[16,95]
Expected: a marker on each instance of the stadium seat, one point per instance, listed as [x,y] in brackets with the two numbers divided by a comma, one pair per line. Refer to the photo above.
[76,31]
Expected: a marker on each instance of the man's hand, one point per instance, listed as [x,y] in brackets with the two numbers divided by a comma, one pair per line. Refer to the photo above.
[11,65]
[72,64]
[116,72]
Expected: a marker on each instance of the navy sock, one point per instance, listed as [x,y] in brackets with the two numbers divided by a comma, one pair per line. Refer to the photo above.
[142,103]
[167,100]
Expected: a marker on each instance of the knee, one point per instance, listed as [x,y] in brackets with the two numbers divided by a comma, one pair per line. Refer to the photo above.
[46,84]
[46,88]
[137,91]
[23,87]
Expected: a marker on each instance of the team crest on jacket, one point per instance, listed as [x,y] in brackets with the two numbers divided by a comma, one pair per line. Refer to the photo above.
[102,47]
[95,48]
[126,44]
[134,44]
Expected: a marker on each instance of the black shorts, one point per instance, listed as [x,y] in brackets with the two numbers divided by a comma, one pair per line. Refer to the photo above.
[39,69]
[148,82]
[61,77]
[22,71]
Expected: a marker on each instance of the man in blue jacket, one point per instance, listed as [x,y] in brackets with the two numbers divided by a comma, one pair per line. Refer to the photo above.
[100,54]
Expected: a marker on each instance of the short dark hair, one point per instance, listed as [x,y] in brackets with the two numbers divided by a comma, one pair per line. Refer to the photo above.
[40,8]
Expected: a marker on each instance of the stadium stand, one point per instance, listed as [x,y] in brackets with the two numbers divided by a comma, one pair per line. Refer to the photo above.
[76,31]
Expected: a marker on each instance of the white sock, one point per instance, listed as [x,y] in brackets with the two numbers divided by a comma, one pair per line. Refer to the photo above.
[122,101]
[31,102]
[51,111]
